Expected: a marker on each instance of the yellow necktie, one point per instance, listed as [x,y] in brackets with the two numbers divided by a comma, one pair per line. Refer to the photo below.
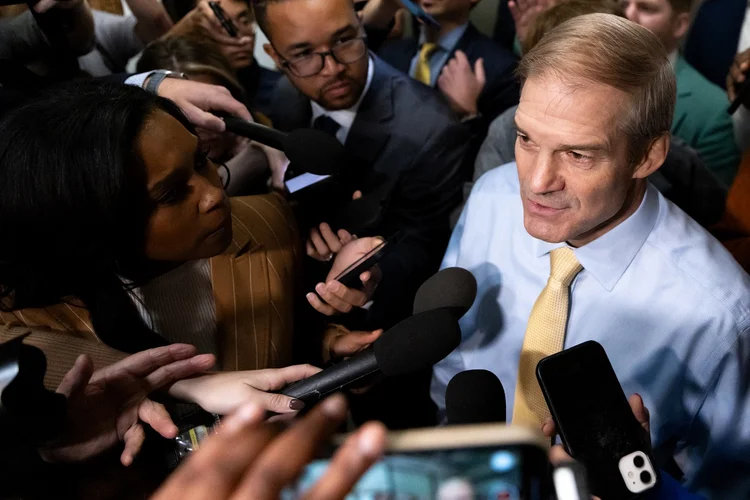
[422,71]
[545,334]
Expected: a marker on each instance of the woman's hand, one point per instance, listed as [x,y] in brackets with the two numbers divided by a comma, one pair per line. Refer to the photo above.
[223,393]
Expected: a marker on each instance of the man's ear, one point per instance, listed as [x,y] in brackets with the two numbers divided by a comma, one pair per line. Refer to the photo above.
[654,157]
[681,25]
[268,48]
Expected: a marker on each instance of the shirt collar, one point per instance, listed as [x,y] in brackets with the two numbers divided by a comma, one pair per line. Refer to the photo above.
[672,56]
[448,41]
[608,257]
[345,117]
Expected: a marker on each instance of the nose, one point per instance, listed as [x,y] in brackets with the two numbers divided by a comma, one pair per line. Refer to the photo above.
[331,66]
[544,176]
[211,198]
[631,13]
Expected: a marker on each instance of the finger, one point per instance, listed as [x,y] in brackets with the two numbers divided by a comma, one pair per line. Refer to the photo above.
[77,378]
[365,277]
[479,72]
[345,236]
[351,296]
[557,455]
[640,411]
[142,364]
[461,59]
[311,251]
[171,373]
[134,438]
[548,428]
[285,458]
[319,306]
[351,461]
[319,244]
[235,447]
[332,299]
[155,415]
[272,380]
[515,12]
[209,16]
[357,195]
[332,241]
[352,343]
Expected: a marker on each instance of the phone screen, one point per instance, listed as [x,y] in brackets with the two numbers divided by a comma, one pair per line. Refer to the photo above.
[589,403]
[498,472]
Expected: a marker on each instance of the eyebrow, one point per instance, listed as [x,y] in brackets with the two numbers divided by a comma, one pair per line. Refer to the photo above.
[177,175]
[337,33]
[594,147]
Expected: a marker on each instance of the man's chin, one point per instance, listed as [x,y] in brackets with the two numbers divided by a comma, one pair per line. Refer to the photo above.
[344,102]
[545,231]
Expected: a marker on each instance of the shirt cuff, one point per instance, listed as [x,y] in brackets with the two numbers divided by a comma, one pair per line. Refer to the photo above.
[139,79]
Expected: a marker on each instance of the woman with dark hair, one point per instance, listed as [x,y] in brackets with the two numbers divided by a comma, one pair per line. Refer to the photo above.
[115,225]
[201,60]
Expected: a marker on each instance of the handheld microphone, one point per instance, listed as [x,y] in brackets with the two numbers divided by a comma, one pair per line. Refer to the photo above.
[475,397]
[413,344]
[309,150]
[453,288]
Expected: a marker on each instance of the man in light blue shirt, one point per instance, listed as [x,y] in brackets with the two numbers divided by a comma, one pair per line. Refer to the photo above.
[668,303]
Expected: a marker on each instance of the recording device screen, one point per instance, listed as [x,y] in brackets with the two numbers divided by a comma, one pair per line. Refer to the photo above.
[497,472]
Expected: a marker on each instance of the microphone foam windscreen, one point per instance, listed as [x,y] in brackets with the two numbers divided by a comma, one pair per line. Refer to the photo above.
[417,342]
[453,287]
[475,397]
[315,152]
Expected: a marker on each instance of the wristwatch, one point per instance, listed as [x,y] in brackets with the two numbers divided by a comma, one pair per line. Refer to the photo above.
[156,77]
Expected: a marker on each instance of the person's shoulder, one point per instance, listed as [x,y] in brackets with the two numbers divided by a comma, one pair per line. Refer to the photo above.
[498,181]
[703,95]
[693,256]
[416,105]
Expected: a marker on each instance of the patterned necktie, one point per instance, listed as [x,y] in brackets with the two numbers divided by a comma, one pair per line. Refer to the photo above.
[327,125]
[545,334]
[422,71]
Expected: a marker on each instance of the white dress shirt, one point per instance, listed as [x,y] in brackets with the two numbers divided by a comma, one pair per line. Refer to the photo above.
[344,117]
[668,303]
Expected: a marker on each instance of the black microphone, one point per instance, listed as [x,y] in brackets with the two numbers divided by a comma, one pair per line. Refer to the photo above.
[309,150]
[413,344]
[453,288]
[475,397]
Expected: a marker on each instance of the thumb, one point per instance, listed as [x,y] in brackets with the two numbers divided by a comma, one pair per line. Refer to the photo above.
[77,378]
[640,411]
[479,71]
[357,195]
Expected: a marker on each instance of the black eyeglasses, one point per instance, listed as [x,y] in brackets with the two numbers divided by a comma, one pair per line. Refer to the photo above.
[344,53]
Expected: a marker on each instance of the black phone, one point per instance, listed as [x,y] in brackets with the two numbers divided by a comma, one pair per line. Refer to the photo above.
[227,23]
[349,277]
[595,422]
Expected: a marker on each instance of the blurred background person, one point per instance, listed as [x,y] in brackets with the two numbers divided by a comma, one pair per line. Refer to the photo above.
[701,118]
[248,163]
[257,82]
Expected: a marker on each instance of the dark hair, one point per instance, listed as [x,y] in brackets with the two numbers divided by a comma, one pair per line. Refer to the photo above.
[191,55]
[74,205]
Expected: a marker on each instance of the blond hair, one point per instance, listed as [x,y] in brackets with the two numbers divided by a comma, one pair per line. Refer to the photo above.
[612,51]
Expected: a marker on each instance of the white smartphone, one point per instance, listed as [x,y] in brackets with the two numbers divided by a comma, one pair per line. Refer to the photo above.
[450,463]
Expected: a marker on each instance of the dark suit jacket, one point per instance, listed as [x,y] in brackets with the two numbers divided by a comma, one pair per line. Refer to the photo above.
[407,145]
[501,90]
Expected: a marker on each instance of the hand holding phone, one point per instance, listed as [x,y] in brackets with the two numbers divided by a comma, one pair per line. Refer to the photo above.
[226,23]
[597,424]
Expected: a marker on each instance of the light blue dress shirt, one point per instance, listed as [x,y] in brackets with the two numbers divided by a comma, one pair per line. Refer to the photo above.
[438,59]
[668,303]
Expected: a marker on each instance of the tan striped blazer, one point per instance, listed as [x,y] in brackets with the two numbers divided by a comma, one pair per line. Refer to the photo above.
[253,282]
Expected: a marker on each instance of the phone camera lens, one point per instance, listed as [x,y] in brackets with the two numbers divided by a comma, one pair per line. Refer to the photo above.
[645,477]
[638,461]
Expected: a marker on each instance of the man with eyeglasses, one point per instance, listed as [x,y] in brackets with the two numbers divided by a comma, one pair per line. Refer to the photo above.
[408,147]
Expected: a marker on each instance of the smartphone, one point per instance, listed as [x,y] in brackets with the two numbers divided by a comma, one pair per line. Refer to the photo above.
[595,421]
[227,23]
[349,277]
[478,461]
